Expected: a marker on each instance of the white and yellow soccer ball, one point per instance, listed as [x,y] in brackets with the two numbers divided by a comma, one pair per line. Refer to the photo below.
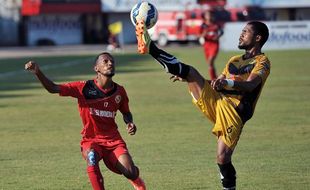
[146,11]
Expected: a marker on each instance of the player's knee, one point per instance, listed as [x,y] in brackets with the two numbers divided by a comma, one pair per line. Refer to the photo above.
[131,173]
[222,158]
[91,158]
[194,76]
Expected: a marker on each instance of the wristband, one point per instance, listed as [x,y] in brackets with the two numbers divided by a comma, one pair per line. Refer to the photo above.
[230,83]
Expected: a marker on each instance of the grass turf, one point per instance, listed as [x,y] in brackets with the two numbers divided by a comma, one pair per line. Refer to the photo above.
[174,147]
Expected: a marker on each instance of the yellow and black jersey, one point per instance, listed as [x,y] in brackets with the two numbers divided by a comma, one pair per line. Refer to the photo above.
[239,69]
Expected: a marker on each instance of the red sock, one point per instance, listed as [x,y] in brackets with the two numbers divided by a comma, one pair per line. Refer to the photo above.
[138,184]
[95,177]
[212,73]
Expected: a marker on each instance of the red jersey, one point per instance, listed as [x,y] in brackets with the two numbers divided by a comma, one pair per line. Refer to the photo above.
[212,31]
[97,108]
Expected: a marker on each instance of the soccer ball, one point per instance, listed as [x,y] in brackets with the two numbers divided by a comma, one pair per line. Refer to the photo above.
[146,11]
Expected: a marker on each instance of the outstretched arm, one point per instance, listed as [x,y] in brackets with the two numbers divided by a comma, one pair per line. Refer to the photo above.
[49,85]
[131,127]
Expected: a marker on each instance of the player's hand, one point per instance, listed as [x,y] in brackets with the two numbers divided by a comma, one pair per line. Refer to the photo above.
[201,40]
[131,128]
[177,78]
[32,67]
[218,84]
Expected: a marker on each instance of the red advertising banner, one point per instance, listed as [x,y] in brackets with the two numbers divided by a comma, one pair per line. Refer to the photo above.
[36,7]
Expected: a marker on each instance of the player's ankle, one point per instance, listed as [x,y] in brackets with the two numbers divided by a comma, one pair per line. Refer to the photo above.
[138,184]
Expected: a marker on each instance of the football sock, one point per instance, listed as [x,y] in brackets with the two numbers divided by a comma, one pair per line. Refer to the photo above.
[138,184]
[169,62]
[228,176]
[95,177]
[212,72]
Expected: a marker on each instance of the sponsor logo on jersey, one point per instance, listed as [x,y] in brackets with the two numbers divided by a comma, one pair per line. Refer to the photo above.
[102,113]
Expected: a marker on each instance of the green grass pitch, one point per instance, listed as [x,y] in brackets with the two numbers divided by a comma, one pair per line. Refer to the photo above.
[174,147]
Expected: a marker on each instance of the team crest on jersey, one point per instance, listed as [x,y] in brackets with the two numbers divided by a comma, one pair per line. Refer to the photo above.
[118,99]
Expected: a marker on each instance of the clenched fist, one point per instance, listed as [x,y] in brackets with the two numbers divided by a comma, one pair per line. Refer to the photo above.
[32,67]
[131,128]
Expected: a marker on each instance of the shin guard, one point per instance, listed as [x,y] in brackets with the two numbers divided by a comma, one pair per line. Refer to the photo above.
[169,62]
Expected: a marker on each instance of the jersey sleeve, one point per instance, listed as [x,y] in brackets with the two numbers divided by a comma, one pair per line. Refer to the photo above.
[225,70]
[262,68]
[124,104]
[73,89]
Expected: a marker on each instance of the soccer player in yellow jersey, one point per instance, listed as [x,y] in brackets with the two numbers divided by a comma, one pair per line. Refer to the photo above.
[228,101]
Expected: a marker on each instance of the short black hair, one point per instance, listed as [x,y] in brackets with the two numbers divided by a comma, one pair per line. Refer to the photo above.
[104,53]
[261,29]
[211,12]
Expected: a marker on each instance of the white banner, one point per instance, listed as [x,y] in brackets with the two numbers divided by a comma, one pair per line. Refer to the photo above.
[60,29]
[282,35]
[268,3]
[126,5]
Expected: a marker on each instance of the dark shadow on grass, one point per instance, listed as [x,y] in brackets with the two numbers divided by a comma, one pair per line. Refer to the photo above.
[57,69]
[3,106]
[13,95]
[6,159]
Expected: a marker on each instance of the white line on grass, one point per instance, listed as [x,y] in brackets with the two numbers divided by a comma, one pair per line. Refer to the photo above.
[46,67]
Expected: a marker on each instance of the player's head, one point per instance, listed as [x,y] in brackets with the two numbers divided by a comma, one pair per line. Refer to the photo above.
[254,33]
[208,16]
[104,64]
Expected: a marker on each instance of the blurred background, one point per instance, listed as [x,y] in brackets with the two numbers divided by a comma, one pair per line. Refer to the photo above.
[74,22]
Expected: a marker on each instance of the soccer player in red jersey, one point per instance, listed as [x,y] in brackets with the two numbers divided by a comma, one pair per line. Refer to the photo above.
[210,33]
[98,101]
